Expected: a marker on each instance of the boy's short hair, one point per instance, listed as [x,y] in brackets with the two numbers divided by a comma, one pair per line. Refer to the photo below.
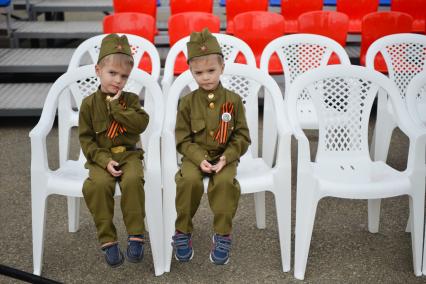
[204,57]
[117,59]
[114,44]
[201,44]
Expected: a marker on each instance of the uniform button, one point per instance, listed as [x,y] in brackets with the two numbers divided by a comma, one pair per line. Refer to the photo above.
[210,96]
[211,133]
[211,105]
[205,156]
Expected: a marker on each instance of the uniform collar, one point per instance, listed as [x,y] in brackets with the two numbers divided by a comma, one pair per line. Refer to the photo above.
[217,92]
[101,94]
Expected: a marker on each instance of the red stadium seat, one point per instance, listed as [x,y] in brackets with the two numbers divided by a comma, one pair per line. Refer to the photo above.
[257,29]
[182,24]
[292,9]
[379,24]
[417,10]
[146,6]
[139,24]
[235,7]
[356,10]
[181,6]
[326,23]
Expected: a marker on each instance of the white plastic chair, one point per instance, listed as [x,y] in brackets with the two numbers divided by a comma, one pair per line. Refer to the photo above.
[230,45]
[69,177]
[69,117]
[343,97]
[405,56]
[254,174]
[416,104]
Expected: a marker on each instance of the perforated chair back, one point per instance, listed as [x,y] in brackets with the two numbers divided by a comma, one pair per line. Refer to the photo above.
[404,56]
[416,98]
[182,6]
[379,24]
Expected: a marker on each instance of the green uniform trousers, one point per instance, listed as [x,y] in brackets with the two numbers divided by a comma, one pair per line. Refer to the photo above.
[223,194]
[98,191]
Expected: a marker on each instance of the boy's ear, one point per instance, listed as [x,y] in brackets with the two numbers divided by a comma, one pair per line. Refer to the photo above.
[97,70]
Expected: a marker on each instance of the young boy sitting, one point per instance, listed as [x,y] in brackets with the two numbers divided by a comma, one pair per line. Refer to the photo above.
[211,134]
[110,123]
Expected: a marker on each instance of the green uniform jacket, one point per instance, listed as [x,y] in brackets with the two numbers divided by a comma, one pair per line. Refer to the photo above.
[199,117]
[95,117]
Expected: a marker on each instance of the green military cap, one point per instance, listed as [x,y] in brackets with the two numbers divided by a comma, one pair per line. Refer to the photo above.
[202,43]
[114,43]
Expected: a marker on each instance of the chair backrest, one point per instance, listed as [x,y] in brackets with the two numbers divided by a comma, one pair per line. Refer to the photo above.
[82,81]
[330,24]
[292,9]
[416,98]
[258,28]
[299,53]
[415,8]
[244,80]
[139,24]
[181,6]
[146,6]
[230,45]
[379,24]
[235,7]
[139,47]
[343,97]
[404,55]
[182,24]
[356,10]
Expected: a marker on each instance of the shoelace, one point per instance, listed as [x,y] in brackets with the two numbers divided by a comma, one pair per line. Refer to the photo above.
[181,241]
[222,244]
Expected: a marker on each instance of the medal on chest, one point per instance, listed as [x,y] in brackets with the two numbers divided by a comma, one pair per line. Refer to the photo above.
[221,134]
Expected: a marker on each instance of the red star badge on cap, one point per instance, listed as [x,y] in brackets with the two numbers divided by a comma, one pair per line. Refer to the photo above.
[119,47]
[203,48]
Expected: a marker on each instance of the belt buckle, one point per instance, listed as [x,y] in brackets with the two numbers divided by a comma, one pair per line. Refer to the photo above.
[118,149]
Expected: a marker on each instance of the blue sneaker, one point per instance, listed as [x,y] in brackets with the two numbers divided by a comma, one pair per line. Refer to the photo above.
[221,246]
[183,246]
[113,255]
[135,248]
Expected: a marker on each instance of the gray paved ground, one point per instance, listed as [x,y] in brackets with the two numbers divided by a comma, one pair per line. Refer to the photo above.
[342,249]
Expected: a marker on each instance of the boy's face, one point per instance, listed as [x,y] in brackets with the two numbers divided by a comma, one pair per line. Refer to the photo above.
[206,71]
[113,76]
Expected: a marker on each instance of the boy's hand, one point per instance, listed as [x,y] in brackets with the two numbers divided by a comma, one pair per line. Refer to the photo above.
[206,166]
[117,96]
[219,165]
[114,172]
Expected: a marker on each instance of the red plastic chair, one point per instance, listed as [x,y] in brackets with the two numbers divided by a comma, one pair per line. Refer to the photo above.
[379,24]
[292,9]
[182,24]
[181,6]
[417,10]
[141,6]
[139,24]
[331,24]
[235,7]
[257,29]
[356,10]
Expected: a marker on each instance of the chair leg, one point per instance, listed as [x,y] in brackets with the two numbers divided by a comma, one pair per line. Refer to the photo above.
[305,217]
[154,218]
[283,208]
[38,210]
[373,215]
[259,206]
[73,214]
[169,219]
[417,227]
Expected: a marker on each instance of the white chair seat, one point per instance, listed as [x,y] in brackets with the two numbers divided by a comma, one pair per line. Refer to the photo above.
[378,181]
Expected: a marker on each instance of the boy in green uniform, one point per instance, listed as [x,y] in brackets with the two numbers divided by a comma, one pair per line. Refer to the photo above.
[211,134]
[110,123]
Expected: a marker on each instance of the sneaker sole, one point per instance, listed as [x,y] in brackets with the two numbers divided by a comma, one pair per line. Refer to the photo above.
[180,260]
